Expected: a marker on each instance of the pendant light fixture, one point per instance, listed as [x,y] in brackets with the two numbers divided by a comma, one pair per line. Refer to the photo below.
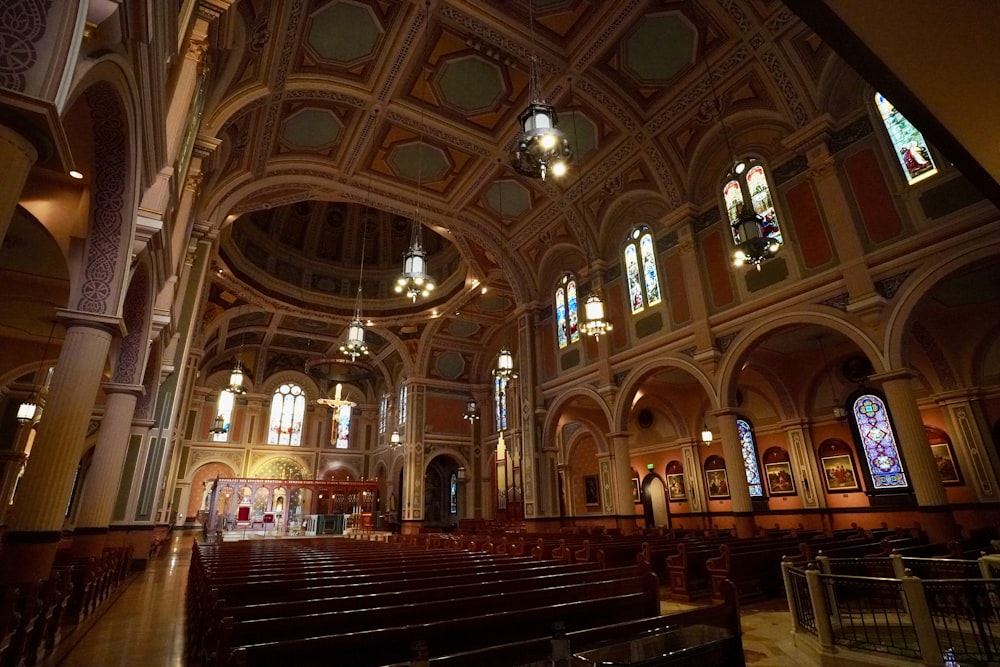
[236,375]
[541,148]
[595,322]
[28,410]
[753,244]
[354,346]
[706,435]
[415,281]
[471,410]
[505,360]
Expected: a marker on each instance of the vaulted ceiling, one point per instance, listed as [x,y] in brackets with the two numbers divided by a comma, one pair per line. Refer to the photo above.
[342,120]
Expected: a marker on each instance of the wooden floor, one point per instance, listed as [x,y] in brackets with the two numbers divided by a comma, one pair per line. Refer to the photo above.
[145,625]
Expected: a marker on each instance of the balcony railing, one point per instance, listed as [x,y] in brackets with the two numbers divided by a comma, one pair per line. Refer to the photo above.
[950,619]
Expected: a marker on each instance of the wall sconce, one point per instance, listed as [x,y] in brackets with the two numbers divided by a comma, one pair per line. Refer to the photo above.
[394,440]
[706,435]
[460,474]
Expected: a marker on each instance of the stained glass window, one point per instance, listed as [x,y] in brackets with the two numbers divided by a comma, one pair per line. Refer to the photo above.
[879,444]
[288,408]
[402,405]
[640,270]
[343,426]
[749,450]
[567,319]
[224,407]
[453,493]
[754,179]
[500,402]
[383,413]
[907,142]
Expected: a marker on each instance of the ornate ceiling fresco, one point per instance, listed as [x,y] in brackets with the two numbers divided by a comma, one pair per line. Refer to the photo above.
[337,116]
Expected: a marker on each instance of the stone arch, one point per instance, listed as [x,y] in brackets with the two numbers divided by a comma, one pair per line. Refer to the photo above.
[917,287]
[274,458]
[638,375]
[730,366]
[553,417]
[131,357]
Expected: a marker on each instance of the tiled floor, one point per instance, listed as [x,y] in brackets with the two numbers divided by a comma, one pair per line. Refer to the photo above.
[145,626]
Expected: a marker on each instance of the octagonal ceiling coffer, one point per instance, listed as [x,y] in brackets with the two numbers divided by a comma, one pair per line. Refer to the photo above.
[659,47]
[470,84]
[343,32]
[311,128]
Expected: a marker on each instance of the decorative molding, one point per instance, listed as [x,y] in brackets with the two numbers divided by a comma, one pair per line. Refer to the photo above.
[847,135]
[741,20]
[888,287]
[22,25]
[786,86]
[723,342]
[789,170]
[839,302]
[705,220]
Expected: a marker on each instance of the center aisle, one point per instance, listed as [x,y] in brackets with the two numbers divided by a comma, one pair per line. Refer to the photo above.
[145,626]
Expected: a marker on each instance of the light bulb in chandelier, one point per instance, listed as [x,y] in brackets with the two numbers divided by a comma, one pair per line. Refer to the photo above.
[594,321]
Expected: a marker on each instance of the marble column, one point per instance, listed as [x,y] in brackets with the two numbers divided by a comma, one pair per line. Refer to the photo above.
[36,521]
[739,491]
[621,483]
[17,155]
[104,479]
[911,438]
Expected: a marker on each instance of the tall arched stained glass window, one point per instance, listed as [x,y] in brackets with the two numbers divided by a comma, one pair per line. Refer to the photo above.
[907,143]
[453,494]
[288,409]
[749,173]
[383,413]
[224,408]
[500,402]
[879,443]
[567,318]
[749,451]
[640,270]
[401,409]
[343,426]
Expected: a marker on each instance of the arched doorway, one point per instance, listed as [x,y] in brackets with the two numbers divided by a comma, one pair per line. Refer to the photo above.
[442,492]
[654,501]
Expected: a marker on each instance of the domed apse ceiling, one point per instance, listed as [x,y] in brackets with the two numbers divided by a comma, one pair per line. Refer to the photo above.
[310,254]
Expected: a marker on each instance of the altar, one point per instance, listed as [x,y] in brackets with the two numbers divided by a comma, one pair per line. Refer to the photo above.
[282,507]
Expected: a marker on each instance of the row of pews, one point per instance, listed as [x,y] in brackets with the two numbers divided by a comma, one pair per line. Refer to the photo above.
[692,565]
[428,601]
[36,617]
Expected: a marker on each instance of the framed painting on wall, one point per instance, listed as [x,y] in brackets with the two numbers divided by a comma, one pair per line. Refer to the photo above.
[838,473]
[676,490]
[779,478]
[718,484]
[946,465]
[591,490]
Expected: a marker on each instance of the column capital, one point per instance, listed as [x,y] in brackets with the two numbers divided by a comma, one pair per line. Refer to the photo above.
[724,412]
[136,390]
[75,318]
[893,375]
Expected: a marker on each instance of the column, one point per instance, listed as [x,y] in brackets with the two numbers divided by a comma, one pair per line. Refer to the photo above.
[970,432]
[17,155]
[523,407]
[804,465]
[621,482]
[921,469]
[413,462]
[105,475]
[36,521]
[694,290]
[739,492]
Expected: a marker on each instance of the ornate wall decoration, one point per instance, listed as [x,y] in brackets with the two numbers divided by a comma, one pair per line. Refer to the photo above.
[106,216]
[22,25]
[134,343]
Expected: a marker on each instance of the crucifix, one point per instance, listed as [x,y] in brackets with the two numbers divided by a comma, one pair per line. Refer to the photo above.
[336,403]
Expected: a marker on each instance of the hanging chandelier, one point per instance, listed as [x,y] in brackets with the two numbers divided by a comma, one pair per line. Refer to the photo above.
[28,410]
[415,280]
[505,365]
[753,244]
[219,425]
[354,346]
[471,410]
[236,379]
[541,148]
[594,321]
